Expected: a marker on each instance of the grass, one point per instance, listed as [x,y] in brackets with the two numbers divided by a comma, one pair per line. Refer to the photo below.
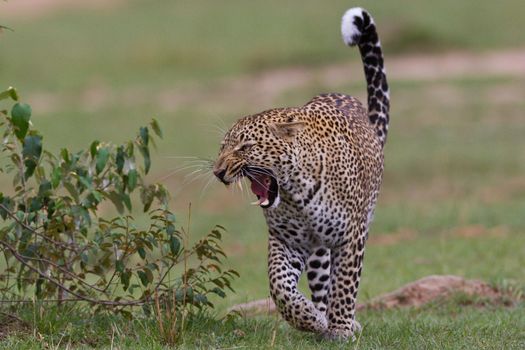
[454,172]
[443,325]
[172,43]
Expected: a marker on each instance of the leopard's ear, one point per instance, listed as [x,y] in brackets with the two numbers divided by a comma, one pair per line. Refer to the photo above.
[287,130]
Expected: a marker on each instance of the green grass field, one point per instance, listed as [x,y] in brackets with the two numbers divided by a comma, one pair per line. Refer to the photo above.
[454,188]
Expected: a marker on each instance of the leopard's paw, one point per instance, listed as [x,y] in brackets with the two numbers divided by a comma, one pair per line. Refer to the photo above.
[344,333]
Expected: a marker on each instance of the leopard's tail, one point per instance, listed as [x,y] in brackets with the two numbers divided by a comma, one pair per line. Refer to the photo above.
[358,28]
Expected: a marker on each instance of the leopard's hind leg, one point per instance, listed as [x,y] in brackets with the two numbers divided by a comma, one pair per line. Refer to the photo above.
[347,263]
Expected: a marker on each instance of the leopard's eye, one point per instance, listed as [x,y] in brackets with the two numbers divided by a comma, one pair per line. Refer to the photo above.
[245,147]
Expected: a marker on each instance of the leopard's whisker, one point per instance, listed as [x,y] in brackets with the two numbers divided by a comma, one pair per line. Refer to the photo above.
[208,183]
[178,170]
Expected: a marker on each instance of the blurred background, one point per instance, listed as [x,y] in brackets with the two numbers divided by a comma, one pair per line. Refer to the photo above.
[453,199]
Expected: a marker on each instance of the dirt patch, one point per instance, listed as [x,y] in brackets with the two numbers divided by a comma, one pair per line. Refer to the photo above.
[392,238]
[260,90]
[504,190]
[415,294]
[10,324]
[30,9]
[426,189]
[264,87]
[453,64]
[473,231]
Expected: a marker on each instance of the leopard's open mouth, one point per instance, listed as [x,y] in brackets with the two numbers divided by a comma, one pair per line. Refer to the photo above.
[264,185]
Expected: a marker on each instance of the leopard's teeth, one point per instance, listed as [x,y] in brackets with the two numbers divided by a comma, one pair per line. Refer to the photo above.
[240,185]
[261,202]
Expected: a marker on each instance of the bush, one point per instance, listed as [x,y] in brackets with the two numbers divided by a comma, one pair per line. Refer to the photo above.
[58,247]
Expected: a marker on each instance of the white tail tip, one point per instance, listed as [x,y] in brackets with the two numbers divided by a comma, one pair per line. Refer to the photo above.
[350,32]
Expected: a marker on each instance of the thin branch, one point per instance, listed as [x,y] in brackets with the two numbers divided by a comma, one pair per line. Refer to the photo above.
[63,270]
[60,285]
[31,229]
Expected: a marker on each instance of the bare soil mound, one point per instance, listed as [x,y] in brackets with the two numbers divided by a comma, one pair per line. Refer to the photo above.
[415,294]
[437,287]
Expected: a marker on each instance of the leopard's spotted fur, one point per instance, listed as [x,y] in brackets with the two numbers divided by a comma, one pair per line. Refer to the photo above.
[322,166]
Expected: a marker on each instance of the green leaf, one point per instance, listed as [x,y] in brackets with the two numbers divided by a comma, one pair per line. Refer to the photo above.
[80,212]
[149,274]
[93,148]
[86,181]
[218,282]
[142,252]
[101,159]
[156,128]
[116,200]
[179,294]
[144,150]
[144,135]
[143,278]
[126,314]
[4,27]
[6,202]
[170,217]
[72,191]
[20,115]
[127,201]
[219,292]
[200,299]
[189,293]
[153,266]
[124,279]
[146,196]
[31,151]
[153,241]
[120,159]
[56,177]
[9,93]
[38,291]
[184,294]
[130,149]
[174,245]
[119,266]
[44,189]
[133,287]
[64,153]
[97,196]
[132,179]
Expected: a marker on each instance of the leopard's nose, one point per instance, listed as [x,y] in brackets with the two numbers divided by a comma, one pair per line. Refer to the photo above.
[219,173]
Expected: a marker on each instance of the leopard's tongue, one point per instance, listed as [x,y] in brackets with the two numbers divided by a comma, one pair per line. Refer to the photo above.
[260,187]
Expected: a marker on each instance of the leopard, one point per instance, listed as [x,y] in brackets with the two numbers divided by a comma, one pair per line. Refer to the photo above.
[316,171]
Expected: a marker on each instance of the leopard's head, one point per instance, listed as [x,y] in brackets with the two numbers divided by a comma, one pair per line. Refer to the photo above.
[262,148]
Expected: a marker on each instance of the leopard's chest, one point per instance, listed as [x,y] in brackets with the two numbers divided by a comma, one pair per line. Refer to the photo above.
[309,217]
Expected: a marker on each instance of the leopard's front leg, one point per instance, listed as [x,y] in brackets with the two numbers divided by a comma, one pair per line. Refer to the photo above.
[346,264]
[285,266]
